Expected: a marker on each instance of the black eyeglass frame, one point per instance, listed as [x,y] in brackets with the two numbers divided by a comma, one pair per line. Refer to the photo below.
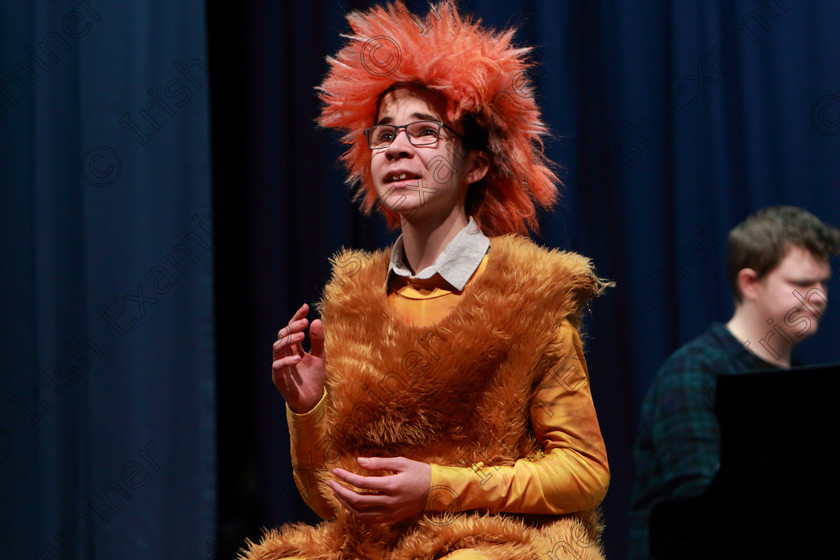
[396,129]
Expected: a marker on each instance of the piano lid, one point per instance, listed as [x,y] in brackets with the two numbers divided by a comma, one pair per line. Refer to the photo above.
[776,492]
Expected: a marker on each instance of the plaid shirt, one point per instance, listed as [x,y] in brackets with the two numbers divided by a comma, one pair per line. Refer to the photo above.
[677,450]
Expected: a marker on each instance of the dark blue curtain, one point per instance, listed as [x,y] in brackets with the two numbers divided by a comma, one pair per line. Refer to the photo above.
[107,422]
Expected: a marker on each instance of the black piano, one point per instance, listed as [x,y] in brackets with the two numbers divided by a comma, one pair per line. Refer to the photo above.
[776,493]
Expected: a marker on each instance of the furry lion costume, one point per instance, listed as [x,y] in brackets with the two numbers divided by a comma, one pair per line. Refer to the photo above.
[460,392]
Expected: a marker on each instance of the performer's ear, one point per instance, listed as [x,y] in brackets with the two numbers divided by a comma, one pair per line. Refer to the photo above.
[479,163]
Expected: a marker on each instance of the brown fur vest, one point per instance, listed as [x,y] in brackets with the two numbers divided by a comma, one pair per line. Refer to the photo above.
[455,393]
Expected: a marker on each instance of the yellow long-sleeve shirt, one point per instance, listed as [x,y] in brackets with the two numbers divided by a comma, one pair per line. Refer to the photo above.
[573,473]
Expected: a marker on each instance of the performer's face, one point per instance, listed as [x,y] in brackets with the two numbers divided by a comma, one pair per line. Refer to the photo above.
[422,182]
[795,293]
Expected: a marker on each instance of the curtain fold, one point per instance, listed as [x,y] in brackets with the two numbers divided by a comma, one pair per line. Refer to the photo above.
[107,419]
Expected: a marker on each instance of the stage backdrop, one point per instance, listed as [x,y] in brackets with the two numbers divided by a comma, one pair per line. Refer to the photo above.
[107,427]
[674,119]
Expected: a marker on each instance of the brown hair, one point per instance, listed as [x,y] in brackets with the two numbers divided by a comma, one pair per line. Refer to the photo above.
[762,240]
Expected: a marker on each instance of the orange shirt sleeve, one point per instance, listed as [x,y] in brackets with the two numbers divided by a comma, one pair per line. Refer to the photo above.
[572,475]
[306,434]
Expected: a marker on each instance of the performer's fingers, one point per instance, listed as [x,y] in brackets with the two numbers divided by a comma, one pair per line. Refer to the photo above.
[283,345]
[373,516]
[294,326]
[284,362]
[359,502]
[382,463]
[301,312]
[345,504]
[296,320]
[316,337]
[377,483]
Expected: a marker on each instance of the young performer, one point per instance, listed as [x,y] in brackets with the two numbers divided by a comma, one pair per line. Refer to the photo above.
[444,409]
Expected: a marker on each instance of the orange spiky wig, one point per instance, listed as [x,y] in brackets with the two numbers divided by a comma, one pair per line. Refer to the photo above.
[481,76]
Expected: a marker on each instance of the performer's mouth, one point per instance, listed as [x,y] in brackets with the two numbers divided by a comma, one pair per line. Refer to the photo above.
[399,179]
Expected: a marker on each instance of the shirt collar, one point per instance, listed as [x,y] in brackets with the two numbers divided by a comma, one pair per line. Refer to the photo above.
[455,264]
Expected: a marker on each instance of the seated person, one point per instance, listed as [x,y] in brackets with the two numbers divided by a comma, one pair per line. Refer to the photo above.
[778,270]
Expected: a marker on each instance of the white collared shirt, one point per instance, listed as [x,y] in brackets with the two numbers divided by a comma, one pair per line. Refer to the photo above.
[455,264]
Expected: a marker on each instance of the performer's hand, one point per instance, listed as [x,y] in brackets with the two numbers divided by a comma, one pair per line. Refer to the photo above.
[389,498]
[299,375]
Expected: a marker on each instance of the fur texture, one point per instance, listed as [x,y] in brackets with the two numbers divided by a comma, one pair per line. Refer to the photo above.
[455,393]
[478,71]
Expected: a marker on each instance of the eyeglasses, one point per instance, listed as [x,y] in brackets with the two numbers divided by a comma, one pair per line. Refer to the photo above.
[420,133]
